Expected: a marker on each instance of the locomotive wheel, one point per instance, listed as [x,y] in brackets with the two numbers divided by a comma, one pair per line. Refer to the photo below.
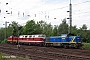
[65,46]
[29,44]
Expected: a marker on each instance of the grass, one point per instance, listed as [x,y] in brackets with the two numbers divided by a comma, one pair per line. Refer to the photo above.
[86,46]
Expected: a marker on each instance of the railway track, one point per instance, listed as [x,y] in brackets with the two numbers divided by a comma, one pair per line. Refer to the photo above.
[44,53]
[80,52]
[31,53]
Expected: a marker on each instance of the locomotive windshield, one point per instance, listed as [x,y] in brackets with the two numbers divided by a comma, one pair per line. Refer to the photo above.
[64,35]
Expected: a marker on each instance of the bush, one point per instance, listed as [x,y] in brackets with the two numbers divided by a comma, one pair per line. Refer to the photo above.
[86,46]
[4,41]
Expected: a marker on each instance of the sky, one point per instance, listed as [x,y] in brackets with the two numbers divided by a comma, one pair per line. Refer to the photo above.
[47,10]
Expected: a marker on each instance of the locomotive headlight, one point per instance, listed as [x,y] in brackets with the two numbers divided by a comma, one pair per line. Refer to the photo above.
[63,38]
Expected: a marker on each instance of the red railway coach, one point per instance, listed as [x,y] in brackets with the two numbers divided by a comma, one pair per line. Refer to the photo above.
[32,39]
[12,39]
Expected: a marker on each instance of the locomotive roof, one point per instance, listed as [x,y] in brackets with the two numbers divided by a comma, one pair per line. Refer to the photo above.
[28,36]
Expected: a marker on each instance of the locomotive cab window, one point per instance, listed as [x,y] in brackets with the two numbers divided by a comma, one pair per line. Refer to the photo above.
[63,36]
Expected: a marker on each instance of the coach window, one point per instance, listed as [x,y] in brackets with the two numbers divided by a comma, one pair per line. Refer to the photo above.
[25,36]
[30,36]
[39,36]
[33,36]
[43,36]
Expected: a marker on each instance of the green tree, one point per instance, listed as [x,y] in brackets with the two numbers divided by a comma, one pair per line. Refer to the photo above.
[30,27]
[63,27]
[47,29]
[40,25]
[2,34]
[14,25]
[84,27]
[55,30]
[88,36]
[9,31]
[84,32]
[75,30]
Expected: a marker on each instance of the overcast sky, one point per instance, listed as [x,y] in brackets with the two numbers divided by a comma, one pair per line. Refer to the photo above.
[45,10]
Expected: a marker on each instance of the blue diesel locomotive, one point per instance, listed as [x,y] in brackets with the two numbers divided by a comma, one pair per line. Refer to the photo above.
[65,40]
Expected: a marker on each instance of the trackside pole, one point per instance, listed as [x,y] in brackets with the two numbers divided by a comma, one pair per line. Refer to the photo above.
[18,45]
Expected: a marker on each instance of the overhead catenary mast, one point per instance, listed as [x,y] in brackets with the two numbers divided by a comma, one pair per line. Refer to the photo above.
[70,14]
[70,17]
